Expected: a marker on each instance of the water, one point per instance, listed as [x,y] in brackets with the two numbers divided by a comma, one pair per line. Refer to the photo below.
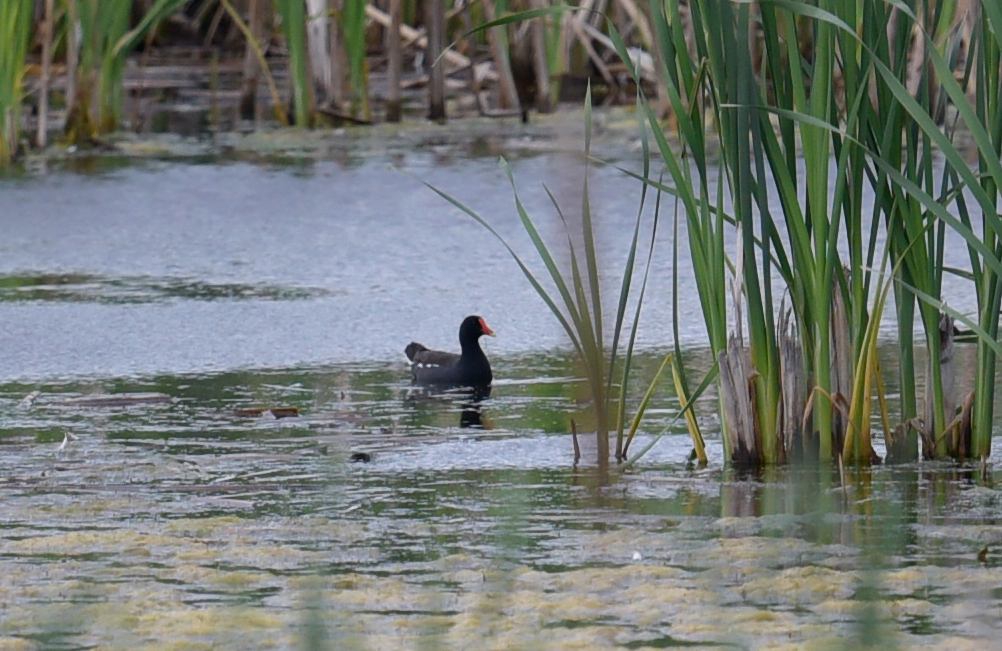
[183,518]
[320,263]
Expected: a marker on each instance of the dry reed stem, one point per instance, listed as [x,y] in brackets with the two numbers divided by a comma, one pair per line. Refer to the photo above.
[739,415]
[43,87]
[580,29]
[574,439]
[794,382]
[507,95]
[395,64]
[435,20]
[541,66]
[410,36]
[841,359]
[256,47]
[639,19]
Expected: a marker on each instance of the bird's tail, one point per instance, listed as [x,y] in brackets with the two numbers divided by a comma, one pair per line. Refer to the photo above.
[413,349]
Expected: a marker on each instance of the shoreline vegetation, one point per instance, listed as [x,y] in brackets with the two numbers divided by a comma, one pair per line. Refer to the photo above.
[81,69]
[740,99]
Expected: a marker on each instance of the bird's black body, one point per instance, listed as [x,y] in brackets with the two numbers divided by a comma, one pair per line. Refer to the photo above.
[470,368]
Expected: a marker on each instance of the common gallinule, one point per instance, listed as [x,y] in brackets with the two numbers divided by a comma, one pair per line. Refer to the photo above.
[469,369]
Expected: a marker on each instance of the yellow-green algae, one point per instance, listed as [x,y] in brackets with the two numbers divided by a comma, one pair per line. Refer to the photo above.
[131,586]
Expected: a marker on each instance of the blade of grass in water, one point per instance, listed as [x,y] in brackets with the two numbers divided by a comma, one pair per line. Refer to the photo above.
[354,36]
[15,31]
[293,14]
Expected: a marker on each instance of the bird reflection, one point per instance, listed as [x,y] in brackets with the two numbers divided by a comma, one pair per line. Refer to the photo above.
[471,416]
[469,398]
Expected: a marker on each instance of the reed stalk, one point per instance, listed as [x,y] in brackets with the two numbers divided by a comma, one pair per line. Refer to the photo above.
[47,36]
[99,71]
[110,26]
[544,44]
[436,70]
[15,32]
[254,48]
[293,13]
[394,103]
[96,60]
[988,109]
[928,214]
[916,241]
[743,75]
[714,82]
[354,37]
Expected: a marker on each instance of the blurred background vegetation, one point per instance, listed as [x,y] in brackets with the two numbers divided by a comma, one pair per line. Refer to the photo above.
[82,68]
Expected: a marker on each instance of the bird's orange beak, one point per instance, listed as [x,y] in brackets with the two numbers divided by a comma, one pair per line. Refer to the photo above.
[486,328]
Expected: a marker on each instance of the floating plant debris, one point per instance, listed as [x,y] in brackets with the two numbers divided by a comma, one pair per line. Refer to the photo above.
[268,412]
[120,399]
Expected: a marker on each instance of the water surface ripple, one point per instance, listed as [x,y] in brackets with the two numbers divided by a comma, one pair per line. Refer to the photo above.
[156,318]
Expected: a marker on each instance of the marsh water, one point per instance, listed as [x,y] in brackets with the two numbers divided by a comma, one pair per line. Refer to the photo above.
[157,315]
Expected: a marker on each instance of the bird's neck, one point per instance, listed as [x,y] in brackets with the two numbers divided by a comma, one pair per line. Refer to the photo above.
[471,349]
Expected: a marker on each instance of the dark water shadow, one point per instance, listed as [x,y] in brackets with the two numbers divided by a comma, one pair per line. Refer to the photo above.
[470,400]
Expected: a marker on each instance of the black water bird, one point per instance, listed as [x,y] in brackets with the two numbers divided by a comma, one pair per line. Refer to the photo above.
[470,368]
